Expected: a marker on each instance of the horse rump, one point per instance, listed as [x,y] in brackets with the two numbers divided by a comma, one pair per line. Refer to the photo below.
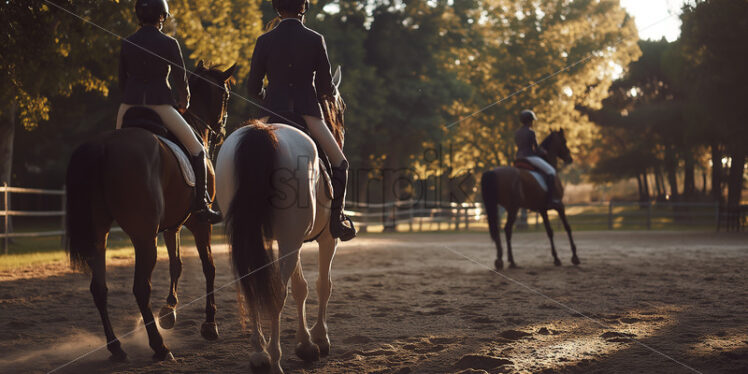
[249,218]
[489,183]
[82,179]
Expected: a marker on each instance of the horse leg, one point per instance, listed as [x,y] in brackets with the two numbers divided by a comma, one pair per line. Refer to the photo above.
[549,231]
[511,216]
[167,317]
[99,291]
[202,232]
[562,213]
[259,360]
[305,349]
[145,261]
[289,255]
[327,247]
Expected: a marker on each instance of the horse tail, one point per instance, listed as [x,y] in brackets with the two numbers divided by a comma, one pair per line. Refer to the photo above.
[249,219]
[489,184]
[82,179]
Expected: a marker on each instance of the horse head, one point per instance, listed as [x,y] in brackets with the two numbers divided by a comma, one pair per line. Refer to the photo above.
[563,150]
[210,89]
[334,109]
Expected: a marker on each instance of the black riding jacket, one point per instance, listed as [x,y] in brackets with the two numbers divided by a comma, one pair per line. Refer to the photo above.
[146,59]
[294,59]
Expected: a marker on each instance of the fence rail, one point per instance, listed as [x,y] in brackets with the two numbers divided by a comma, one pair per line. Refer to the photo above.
[419,215]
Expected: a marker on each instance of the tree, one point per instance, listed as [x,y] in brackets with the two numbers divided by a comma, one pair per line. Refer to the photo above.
[523,42]
[717,83]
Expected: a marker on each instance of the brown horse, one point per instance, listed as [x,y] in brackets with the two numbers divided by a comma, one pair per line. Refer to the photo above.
[131,177]
[515,188]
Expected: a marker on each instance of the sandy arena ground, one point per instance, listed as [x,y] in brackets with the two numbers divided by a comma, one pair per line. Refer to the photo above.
[405,303]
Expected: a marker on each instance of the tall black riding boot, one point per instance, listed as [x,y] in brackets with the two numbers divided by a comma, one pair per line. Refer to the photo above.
[550,181]
[200,206]
[340,225]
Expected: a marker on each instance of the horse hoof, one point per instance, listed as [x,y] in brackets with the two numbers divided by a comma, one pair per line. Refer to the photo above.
[167,317]
[575,260]
[324,347]
[512,265]
[308,352]
[557,262]
[120,356]
[209,331]
[498,264]
[164,356]
[259,362]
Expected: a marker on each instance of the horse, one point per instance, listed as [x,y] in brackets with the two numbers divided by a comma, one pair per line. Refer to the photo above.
[269,178]
[131,177]
[515,188]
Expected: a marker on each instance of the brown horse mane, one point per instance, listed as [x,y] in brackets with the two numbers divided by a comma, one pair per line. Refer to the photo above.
[333,114]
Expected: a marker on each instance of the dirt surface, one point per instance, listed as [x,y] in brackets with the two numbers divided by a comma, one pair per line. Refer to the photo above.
[407,303]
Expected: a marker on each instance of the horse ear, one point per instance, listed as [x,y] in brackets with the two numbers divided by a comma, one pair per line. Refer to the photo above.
[229,72]
[200,65]
[337,77]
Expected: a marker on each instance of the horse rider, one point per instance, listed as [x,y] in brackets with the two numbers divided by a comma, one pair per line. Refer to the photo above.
[528,149]
[146,59]
[294,59]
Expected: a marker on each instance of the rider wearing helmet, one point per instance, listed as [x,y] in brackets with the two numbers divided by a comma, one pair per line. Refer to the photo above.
[528,149]
[146,59]
[294,59]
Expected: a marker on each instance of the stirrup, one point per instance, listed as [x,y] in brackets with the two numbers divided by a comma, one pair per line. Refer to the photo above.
[346,232]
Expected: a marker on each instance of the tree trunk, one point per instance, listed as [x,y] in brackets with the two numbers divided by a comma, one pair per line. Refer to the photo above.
[735,187]
[7,135]
[689,181]
[659,184]
[671,164]
[639,186]
[716,172]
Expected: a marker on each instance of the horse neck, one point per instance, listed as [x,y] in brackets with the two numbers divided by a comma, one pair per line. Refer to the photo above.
[552,155]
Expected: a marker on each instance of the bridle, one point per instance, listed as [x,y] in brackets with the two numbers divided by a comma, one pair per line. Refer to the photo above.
[215,137]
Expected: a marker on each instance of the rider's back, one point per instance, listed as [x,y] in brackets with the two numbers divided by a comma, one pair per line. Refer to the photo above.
[294,58]
[147,57]
[525,139]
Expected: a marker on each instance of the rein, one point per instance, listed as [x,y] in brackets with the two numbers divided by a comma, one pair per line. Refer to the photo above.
[214,137]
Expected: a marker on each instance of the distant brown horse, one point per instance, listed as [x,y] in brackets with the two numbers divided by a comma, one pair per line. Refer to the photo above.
[131,177]
[515,188]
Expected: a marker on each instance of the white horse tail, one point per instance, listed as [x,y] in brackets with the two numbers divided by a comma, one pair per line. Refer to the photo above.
[249,218]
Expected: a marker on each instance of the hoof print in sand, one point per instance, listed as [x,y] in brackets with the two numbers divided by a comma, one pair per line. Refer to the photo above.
[357,339]
[617,337]
[481,362]
[514,334]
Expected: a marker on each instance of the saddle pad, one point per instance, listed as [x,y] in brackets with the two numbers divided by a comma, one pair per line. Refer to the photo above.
[540,179]
[182,160]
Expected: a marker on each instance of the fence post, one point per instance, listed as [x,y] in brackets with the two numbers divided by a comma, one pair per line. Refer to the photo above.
[6,240]
[610,215]
[64,212]
[410,219]
[467,218]
[649,215]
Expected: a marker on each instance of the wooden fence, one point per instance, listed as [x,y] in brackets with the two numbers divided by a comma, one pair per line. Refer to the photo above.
[413,215]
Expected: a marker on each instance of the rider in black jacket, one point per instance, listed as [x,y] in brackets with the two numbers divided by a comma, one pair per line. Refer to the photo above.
[146,59]
[294,59]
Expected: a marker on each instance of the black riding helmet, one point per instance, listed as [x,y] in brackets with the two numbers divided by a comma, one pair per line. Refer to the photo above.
[150,11]
[291,6]
[527,116]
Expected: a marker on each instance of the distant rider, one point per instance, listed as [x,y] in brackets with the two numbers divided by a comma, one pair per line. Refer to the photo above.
[146,59]
[294,59]
[528,149]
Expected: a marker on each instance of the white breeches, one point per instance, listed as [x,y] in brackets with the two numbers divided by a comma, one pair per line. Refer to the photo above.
[321,133]
[541,164]
[173,121]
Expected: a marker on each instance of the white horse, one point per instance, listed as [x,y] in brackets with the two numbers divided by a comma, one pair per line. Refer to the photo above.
[269,179]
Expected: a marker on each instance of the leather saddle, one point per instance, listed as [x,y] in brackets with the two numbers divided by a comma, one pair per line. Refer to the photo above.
[148,120]
[524,164]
